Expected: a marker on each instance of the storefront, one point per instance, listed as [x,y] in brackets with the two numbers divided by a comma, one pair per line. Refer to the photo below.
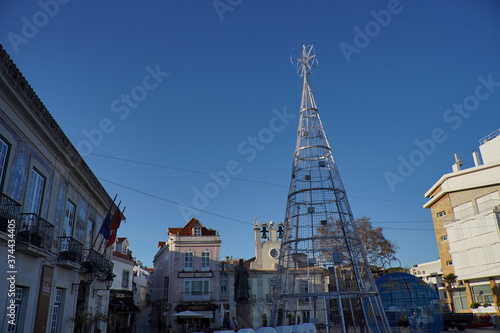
[122,311]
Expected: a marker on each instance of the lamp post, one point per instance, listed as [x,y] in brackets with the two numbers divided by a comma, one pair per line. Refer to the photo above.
[89,278]
[109,282]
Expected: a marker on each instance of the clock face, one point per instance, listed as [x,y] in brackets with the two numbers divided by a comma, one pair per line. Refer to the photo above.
[274,253]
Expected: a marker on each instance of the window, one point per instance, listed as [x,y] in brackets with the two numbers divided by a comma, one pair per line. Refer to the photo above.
[69,219]
[197,231]
[197,288]
[4,154]
[441,214]
[18,298]
[449,263]
[460,300]
[444,238]
[55,324]
[166,283]
[304,289]
[223,287]
[125,278]
[205,260]
[35,192]
[89,238]
[188,260]
[482,294]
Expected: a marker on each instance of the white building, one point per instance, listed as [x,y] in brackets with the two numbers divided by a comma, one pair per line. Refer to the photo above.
[51,208]
[465,207]
[121,302]
[141,285]
[430,272]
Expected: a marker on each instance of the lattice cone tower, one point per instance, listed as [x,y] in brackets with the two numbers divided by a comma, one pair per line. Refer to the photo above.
[323,274]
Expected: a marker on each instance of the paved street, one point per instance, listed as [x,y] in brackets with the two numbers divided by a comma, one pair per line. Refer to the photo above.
[142,323]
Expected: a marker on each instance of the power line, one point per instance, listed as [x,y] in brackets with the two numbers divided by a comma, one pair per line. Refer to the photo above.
[162,166]
[172,202]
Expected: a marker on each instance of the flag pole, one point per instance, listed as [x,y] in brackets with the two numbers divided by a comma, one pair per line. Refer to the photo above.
[111,218]
[115,234]
[97,236]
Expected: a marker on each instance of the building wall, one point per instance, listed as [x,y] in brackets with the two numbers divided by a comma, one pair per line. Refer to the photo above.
[471,226]
[170,265]
[430,272]
[37,144]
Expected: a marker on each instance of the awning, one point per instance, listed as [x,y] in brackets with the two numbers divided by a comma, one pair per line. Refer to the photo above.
[188,314]
[123,305]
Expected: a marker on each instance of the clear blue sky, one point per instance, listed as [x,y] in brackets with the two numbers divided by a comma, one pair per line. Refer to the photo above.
[186,85]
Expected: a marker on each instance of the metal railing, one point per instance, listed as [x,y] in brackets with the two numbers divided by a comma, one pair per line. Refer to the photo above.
[98,261]
[490,136]
[9,210]
[36,231]
[70,249]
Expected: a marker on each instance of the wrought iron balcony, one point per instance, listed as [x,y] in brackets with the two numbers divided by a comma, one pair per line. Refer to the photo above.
[70,249]
[98,262]
[9,210]
[34,230]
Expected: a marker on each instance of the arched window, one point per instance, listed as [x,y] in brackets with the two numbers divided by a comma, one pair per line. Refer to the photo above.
[280,231]
[264,231]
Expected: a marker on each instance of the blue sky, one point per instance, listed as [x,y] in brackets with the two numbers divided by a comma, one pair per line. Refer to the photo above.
[165,88]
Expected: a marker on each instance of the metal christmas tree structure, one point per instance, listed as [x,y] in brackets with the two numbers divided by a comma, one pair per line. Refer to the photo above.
[323,274]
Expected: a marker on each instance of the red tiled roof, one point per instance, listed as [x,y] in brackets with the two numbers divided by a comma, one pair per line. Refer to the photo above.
[187,230]
[122,255]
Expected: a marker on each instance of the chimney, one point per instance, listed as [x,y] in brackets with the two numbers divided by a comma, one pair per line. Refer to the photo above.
[458,163]
[475,157]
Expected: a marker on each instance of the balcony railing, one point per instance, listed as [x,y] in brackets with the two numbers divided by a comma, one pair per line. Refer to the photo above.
[9,210]
[97,261]
[36,231]
[70,249]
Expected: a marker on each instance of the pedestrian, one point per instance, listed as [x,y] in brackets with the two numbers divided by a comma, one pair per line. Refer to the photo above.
[236,325]
[226,323]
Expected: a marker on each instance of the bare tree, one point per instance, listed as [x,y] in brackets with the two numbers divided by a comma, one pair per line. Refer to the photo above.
[379,250]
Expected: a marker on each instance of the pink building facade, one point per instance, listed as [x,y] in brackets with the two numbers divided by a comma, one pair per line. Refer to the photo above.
[186,277]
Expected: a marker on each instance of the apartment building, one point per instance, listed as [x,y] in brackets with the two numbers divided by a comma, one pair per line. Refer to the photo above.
[185,278]
[465,208]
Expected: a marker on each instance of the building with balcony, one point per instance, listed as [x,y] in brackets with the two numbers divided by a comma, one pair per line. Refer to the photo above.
[185,277]
[121,303]
[465,208]
[51,208]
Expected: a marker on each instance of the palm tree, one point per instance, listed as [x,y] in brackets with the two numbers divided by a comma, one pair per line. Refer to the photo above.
[450,280]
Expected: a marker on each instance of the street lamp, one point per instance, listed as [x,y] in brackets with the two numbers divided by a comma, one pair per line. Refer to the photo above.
[89,277]
[109,282]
